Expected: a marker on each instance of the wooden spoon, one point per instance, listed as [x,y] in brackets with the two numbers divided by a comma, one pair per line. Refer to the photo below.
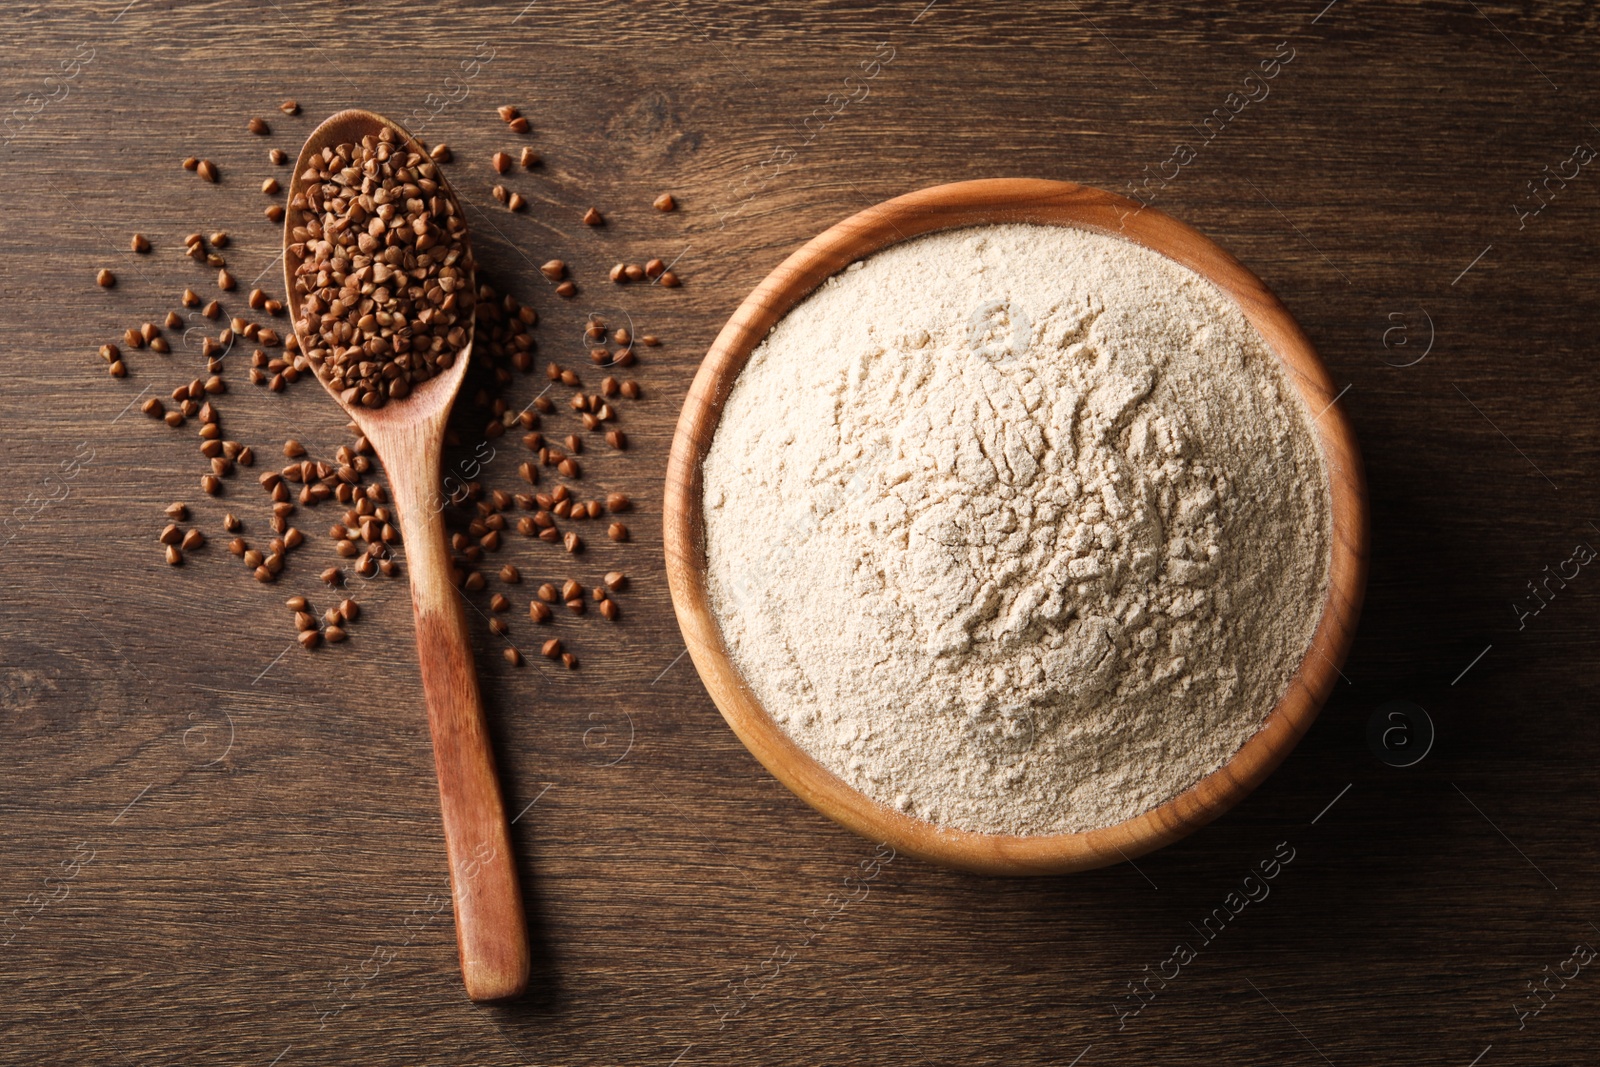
[408,436]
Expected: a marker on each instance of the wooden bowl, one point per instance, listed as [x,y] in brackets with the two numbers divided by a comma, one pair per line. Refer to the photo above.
[969,204]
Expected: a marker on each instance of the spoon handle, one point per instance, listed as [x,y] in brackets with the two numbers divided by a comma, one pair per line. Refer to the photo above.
[491,930]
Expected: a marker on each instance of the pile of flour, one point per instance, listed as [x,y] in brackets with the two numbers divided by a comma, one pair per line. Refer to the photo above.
[1017,529]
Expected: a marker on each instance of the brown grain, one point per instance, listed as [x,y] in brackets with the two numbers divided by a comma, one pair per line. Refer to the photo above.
[420,270]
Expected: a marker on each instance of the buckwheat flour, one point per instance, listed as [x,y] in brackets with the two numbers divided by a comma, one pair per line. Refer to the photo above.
[1017,528]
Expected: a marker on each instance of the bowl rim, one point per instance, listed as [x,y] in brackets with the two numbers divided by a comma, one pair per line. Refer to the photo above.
[988,202]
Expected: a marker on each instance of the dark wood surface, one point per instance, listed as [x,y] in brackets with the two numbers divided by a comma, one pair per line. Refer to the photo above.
[217,854]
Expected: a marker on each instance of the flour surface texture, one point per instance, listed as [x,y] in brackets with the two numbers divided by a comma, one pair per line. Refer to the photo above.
[1017,529]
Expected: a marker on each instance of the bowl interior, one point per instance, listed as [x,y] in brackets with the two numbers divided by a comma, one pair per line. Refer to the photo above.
[979,203]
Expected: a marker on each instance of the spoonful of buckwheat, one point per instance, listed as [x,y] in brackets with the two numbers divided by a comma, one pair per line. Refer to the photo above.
[380,277]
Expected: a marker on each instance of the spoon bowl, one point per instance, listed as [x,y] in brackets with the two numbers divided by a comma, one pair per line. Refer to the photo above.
[408,436]
[432,399]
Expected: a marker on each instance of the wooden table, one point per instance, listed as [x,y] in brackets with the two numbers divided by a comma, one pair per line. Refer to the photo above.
[223,849]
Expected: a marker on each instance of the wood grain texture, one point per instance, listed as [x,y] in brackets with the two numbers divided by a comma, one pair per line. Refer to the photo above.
[980,203]
[242,840]
[408,437]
